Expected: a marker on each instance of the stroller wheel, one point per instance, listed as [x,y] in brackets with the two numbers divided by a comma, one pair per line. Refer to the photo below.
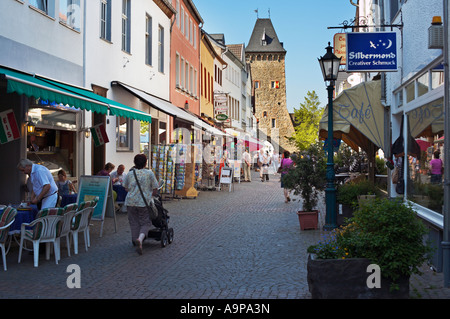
[170,235]
[163,238]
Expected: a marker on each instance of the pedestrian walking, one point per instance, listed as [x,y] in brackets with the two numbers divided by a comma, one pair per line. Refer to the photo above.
[246,160]
[285,165]
[138,215]
[265,162]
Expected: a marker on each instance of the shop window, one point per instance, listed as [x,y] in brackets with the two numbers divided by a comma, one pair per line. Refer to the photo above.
[424,161]
[105,20]
[70,13]
[124,133]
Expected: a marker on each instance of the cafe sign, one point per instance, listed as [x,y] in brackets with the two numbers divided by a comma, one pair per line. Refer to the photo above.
[371,51]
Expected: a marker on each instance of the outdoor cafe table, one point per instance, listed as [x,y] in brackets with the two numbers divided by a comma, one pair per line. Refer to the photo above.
[24,215]
[68,199]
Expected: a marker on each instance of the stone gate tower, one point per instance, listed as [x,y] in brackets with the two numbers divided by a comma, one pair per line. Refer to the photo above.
[266,56]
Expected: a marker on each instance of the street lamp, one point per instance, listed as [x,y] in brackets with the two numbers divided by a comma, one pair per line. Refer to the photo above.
[329,65]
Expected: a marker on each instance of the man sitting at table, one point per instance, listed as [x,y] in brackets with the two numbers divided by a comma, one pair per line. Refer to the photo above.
[118,176]
[45,192]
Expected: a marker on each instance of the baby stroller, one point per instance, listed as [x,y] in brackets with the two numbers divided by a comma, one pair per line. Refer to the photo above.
[162,232]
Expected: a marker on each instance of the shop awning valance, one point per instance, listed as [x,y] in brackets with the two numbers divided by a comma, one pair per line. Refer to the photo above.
[26,84]
[170,109]
[115,108]
[46,89]
[358,116]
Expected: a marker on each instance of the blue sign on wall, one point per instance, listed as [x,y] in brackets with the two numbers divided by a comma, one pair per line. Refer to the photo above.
[371,51]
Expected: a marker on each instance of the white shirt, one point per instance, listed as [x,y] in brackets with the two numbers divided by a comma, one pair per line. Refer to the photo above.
[246,157]
[114,175]
[41,176]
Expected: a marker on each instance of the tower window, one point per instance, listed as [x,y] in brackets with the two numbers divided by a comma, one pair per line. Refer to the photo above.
[256,84]
[273,123]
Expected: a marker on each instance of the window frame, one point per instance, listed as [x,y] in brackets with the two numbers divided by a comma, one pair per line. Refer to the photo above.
[148,40]
[160,48]
[128,145]
[126,26]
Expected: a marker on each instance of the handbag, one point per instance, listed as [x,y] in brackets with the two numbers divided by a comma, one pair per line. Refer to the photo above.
[395,175]
[152,211]
[280,168]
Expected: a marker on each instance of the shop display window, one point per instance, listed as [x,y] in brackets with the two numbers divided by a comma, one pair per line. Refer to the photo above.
[426,156]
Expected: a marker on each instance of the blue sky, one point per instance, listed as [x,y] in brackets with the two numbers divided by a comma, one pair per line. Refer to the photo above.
[302,25]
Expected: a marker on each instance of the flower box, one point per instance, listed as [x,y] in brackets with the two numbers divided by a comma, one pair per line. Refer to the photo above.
[347,279]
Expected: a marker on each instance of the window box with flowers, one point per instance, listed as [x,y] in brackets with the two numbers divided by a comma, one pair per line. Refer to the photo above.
[382,232]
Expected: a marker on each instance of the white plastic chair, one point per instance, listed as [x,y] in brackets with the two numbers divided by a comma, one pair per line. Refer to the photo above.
[81,225]
[68,216]
[7,217]
[46,229]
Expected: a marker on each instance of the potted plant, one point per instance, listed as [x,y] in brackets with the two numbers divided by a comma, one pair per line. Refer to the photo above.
[383,232]
[349,195]
[307,178]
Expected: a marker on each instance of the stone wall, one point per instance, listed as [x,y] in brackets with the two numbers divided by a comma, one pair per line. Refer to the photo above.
[270,102]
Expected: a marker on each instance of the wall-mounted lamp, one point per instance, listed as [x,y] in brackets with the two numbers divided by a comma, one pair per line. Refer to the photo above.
[31,128]
[87,132]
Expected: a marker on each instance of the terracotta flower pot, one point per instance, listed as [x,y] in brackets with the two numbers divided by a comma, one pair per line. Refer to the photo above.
[308,220]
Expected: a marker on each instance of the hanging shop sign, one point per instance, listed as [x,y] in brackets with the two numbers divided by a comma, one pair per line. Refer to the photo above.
[340,47]
[9,131]
[371,51]
[221,117]
[99,134]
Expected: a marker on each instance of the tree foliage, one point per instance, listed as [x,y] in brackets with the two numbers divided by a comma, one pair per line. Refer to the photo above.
[307,119]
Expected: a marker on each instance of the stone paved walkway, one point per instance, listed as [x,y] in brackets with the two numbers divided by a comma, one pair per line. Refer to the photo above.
[244,244]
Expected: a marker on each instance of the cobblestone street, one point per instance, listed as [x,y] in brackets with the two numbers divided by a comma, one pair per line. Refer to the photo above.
[244,244]
[241,244]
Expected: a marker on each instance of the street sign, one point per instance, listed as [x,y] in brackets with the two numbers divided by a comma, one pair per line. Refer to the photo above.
[371,51]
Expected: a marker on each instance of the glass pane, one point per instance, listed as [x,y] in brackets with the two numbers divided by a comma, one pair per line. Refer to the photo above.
[422,84]
[437,78]
[410,92]
[122,132]
[425,163]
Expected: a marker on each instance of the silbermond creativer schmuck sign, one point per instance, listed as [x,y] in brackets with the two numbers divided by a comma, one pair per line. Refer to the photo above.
[371,51]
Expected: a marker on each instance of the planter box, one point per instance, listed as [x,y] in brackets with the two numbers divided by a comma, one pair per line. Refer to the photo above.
[308,220]
[347,212]
[347,279]
[364,198]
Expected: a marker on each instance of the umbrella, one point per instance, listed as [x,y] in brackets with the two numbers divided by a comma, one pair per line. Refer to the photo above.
[423,144]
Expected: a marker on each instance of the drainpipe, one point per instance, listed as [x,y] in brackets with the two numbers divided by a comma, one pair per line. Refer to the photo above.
[446,230]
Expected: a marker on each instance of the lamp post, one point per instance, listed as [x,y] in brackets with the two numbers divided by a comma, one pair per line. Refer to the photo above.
[329,65]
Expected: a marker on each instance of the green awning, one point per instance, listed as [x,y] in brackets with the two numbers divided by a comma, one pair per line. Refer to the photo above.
[46,89]
[28,85]
[115,108]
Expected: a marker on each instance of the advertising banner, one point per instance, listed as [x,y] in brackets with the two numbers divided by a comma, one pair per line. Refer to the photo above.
[371,51]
